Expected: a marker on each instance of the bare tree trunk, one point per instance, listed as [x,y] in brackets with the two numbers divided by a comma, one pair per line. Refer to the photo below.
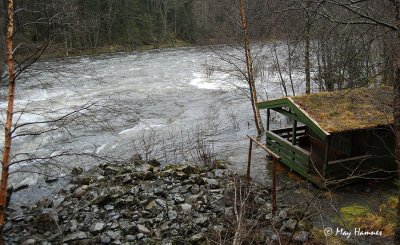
[10,109]
[250,73]
[307,58]
[396,113]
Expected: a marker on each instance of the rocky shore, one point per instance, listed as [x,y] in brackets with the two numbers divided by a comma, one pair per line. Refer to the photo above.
[148,204]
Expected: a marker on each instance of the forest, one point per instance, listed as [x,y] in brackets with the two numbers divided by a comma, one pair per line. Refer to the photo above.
[340,47]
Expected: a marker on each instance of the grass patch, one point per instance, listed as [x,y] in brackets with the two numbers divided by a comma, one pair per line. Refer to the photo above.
[362,217]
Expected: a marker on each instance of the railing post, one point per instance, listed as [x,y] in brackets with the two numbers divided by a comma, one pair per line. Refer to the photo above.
[249,160]
[294,132]
[274,206]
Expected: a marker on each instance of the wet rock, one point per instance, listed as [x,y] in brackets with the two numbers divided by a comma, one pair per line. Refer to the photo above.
[97,227]
[153,162]
[186,208]
[20,187]
[160,202]
[79,235]
[104,239]
[130,238]
[50,180]
[114,235]
[44,222]
[77,170]
[136,159]
[197,237]
[30,241]
[282,214]
[202,221]
[58,200]
[143,229]
[172,214]
[81,191]
[302,237]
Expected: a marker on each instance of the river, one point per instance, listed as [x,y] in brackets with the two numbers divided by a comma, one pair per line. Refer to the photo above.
[163,104]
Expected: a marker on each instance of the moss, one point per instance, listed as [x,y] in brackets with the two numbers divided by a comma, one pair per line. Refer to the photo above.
[362,217]
[319,236]
[351,214]
[349,109]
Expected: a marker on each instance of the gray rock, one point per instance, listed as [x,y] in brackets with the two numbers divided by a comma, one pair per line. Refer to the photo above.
[178,198]
[73,225]
[153,162]
[196,237]
[77,170]
[109,207]
[97,227]
[195,189]
[194,198]
[259,200]
[79,235]
[301,237]
[160,202]
[186,208]
[282,214]
[202,221]
[140,236]
[143,229]
[58,200]
[105,239]
[212,183]
[30,241]
[81,191]
[114,235]
[130,238]
[172,214]
[290,225]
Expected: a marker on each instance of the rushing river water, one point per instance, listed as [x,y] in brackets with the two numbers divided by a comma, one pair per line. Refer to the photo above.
[155,103]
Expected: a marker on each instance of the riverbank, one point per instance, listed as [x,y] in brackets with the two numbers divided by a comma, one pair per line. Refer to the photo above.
[59,51]
[148,204]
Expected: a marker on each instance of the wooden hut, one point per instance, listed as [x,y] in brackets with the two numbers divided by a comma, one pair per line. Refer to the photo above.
[335,136]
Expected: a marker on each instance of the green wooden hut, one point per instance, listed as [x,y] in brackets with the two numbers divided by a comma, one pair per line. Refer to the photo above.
[335,135]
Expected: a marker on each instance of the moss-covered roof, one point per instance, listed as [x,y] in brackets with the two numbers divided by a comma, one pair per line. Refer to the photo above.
[347,110]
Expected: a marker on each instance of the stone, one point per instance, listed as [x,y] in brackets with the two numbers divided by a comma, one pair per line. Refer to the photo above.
[81,191]
[282,214]
[195,189]
[153,162]
[114,235]
[73,225]
[79,235]
[301,237]
[77,170]
[202,221]
[58,200]
[30,241]
[50,180]
[97,227]
[178,198]
[186,208]
[109,207]
[196,237]
[160,202]
[104,239]
[193,198]
[130,238]
[172,214]
[290,224]
[143,229]
[136,159]
[259,200]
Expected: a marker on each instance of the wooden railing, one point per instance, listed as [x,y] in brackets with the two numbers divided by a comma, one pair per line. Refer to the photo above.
[292,155]
[287,133]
